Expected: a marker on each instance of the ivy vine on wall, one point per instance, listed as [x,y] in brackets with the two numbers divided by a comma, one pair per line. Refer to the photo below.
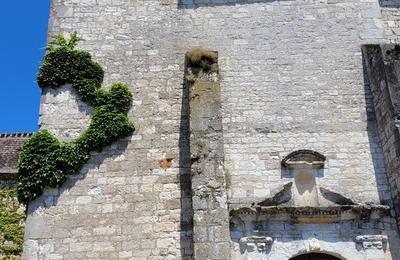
[11,225]
[45,161]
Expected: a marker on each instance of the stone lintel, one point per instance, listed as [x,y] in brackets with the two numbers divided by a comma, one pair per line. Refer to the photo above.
[372,241]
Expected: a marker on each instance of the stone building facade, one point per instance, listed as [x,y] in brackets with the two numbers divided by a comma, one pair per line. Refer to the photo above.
[277,155]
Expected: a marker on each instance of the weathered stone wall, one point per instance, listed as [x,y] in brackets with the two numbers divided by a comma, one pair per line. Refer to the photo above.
[62,112]
[210,208]
[382,63]
[346,239]
[291,78]
[391,19]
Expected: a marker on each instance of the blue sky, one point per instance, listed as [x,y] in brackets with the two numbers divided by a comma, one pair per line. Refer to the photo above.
[23,30]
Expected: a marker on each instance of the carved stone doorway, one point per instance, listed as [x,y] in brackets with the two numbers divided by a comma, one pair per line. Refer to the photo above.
[314,256]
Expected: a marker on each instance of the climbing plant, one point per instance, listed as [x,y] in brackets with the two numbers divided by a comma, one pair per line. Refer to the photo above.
[11,225]
[204,60]
[45,161]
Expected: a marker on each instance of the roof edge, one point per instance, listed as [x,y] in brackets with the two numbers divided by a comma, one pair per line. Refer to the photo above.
[11,135]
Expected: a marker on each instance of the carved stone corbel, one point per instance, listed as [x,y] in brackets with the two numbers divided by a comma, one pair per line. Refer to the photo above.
[259,243]
[372,241]
[314,244]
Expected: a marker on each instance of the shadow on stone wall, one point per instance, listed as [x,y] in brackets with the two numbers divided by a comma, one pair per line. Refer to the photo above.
[382,182]
[51,196]
[186,221]
[54,207]
[193,4]
[374,143]
[390,3]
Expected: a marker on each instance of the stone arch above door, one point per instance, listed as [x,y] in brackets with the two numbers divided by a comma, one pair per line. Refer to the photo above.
[315,256]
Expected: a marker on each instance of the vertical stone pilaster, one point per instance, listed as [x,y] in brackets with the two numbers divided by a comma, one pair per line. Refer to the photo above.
[383,68]
[210,216]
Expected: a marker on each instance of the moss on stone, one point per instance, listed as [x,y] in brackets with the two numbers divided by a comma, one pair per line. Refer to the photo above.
[204,60]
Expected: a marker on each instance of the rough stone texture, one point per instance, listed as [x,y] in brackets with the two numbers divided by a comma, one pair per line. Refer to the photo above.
[210,208]
[291,78]
[391,19]
[63,113]
[384,76]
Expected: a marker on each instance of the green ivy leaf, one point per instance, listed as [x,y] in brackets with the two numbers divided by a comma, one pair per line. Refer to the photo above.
[46,162]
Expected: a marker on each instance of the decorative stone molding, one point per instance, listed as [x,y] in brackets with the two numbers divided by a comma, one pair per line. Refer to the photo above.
[283,196]
[252,243]
[303,158]
[372,241]
[314,244]
[396,120]
[308,215]
[292,211]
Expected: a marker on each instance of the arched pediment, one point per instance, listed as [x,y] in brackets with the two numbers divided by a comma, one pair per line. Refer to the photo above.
[303,158]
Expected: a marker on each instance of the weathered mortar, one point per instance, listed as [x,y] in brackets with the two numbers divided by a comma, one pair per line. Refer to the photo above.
[291,78]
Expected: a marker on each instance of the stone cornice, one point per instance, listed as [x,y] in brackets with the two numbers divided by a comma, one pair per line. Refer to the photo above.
[311,214]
